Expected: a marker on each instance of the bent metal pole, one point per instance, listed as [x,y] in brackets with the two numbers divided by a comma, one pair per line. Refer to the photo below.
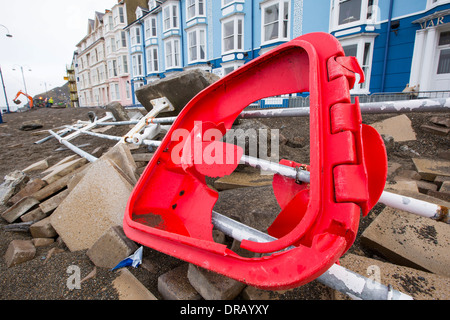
[415,206]
[337,277]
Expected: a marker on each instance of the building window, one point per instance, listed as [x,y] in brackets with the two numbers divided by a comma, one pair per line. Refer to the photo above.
[125,63]
[226,2]
[444,54]
[346,13]
[136,36]
[170,16]
[196,45]
[150,28]
[275,21]
[232,34]
[362,49]
[115,92]
[172,47]
[137,65]
[152,59]
[195,8]
[121,40]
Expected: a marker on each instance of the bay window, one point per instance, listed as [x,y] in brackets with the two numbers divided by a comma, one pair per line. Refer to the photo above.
[347,13]
[172,54]
[196,45]
[195,8]
[170,16]
[275,21]
[232,34]
[152,59]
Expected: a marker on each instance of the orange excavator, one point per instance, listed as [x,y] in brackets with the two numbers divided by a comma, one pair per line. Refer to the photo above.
[16,101]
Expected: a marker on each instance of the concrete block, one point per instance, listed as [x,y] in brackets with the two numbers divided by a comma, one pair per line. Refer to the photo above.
[129,288]
[410,240]
[118,111]
[111,248]
[179,88]
[145,157]
[445,187]
[37,166]
[174,285]
[398,127]
[438,130]
[42,242]
[51,204]
[429,169]
[121,156]
[43,229]
[213,286]
[20,208]
[64,169]
[418,284]
[31,187]
[439,195]
[19,251]
[58,185]
[33,215]
[242,180]
[96,204]
[13,183]
[424,186]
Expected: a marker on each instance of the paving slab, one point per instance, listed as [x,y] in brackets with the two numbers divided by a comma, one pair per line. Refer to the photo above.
[418,284]
[410,240]
[399,127]
[19,251]
[37,166]
[121,156]
[111,248]
[43,229]
[51,204]
[63,170]
[174,285]
[429,169]
[31,187]
[213,286]
[96,204]
[18,209]
[129,288]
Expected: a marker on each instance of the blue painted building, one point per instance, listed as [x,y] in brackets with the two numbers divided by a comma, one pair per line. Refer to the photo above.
[397,42]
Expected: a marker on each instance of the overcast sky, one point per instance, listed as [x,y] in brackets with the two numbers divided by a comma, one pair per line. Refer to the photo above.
[45,33]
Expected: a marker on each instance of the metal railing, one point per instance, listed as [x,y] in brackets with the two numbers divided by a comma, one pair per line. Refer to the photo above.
[303,101]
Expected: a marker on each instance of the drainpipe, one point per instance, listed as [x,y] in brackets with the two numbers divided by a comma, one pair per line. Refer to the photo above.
[182,51]
[253,31]
[386,48]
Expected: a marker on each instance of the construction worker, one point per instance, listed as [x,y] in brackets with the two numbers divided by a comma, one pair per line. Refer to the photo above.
[50,102]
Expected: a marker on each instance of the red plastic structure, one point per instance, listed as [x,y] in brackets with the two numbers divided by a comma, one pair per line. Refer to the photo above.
[170,207]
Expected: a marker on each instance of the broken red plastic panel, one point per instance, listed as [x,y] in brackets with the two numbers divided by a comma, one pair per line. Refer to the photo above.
[170,207]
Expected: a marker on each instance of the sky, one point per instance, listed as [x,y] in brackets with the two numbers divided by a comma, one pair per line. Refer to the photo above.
[45,34]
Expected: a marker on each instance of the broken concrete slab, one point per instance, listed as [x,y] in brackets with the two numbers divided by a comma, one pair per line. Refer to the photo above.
[43,229]
[118,111]
[445,187]
[96,204]
[19,251]
[121,156]
[410,240]
[51,204]
[418,284]
[398,127]
[31,125]
[31,187]
[64,169]
[58,185]
[65,160]
[242,180]
[179,88]
[438,130]
[13,183]
[129,288]
[429,169]
[111,248]
[42,242]
[33,215]
[174,285]
[37,166]
[18,209]
[441,121]
[424,186]
[213,286]
[144,157]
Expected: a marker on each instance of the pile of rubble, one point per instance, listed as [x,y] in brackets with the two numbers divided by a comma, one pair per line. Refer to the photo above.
[81,204]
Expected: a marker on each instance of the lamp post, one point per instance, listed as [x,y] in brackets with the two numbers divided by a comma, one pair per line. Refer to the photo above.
[23,77]
[1,74]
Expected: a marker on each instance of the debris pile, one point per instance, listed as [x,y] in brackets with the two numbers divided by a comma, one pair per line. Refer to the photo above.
[81,203]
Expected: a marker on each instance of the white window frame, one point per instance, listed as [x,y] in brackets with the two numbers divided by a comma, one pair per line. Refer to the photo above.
[360,42]
[227,2]
[173,56]
[152,53]
[138,69]
[151,27]
[171,16]
[280,21]
[363,19]
[198,7]
[197,34]
[136,36]
[231,65]
[238,39]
